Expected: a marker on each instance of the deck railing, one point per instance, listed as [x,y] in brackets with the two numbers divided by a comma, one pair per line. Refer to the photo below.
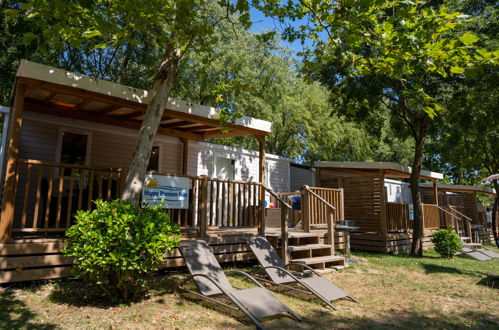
[431,219]
[49,194]
[397,217]
[315,212]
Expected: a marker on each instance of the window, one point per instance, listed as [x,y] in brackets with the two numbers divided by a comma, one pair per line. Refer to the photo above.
[153,165]
[224,168]
[73,148]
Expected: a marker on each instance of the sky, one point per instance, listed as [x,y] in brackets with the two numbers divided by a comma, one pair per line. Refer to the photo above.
[261,23]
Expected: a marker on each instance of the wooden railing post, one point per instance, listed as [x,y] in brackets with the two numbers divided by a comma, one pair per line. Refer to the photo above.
[203,197]
[330,230]
[9,182]
[306,209]
[422,216]
[284,234]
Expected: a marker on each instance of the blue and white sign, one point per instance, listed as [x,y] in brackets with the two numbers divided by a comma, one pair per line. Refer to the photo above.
[172,190]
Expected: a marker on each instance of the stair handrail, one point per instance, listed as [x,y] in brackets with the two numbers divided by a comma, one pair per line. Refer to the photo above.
[319,197]
[284,223]
[452,215]
[330,229]
[465,217]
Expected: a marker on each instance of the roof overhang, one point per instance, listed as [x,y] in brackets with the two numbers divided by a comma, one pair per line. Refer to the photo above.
[63,93]
[391,170]
[461,188]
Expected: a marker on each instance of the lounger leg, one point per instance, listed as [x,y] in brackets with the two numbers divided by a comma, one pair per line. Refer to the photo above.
[353,299]
[294,315]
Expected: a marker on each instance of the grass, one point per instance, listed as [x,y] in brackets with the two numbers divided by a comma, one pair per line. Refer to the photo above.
[395,292]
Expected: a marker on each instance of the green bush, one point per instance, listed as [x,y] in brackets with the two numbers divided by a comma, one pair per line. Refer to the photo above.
[446,242]
[116,245]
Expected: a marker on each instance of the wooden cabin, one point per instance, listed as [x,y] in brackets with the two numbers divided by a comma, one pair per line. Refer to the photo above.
[384,224]
[70,139]
[463,211]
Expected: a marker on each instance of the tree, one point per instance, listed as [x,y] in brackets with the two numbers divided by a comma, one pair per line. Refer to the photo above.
[384,53]
[256,75]
[174,27]
[466,144]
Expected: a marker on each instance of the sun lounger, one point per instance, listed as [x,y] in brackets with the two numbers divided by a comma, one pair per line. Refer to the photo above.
[211,282]
[480,254]
[279,274]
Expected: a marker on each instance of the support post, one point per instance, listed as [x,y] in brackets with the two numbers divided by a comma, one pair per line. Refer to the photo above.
[261,178]
[435,196]
[284,234]
[203,194]
[305,207]
[330,229]
[185,156]
[435,191]
[16,119]
[382,203]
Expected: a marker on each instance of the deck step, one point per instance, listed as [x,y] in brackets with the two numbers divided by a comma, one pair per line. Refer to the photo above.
[318,260]
[309,247]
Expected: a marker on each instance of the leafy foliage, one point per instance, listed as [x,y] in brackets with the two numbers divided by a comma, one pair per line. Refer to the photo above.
[386,53]
[118,244]
[446,242]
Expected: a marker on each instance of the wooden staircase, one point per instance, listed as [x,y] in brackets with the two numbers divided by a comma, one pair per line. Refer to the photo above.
[306,248]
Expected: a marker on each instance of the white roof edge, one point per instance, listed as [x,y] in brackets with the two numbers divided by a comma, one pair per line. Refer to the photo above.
[42,72]
[461,187]
[378,165]
[222,147]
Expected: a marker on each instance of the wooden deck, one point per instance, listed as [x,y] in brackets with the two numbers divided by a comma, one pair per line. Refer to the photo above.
[29,258]
[388,243]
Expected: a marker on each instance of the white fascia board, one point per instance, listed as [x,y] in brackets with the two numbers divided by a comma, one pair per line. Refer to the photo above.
[41,72]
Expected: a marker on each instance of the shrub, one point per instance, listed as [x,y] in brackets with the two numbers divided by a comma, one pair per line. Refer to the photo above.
[446,242]
[116,245]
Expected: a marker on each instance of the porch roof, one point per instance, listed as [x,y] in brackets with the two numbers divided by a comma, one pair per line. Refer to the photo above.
[461,188]
[63,93]
[391,170]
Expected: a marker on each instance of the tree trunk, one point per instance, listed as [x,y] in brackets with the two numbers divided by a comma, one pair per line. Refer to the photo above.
[418,229]
[162,86]
[494,213]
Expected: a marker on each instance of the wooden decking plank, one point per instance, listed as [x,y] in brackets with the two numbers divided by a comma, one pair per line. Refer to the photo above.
[34,274]
[34,261]
[8,249]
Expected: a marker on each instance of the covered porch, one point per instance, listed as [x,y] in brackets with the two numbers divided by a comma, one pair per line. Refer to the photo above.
[43,189]
[384,223]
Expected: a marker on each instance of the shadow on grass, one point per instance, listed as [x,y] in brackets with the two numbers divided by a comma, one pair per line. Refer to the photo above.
[491,281]
[14,314]
[80,294]
[404,319]
[432,268]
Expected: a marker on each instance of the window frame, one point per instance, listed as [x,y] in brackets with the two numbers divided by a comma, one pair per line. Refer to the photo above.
[88,151]
[160,157]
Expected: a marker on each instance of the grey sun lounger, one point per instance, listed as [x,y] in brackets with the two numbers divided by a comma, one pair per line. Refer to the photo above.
[211,282]
[477,254]
[279,274]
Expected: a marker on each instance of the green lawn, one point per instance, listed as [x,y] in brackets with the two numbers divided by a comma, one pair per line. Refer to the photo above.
[393,292]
